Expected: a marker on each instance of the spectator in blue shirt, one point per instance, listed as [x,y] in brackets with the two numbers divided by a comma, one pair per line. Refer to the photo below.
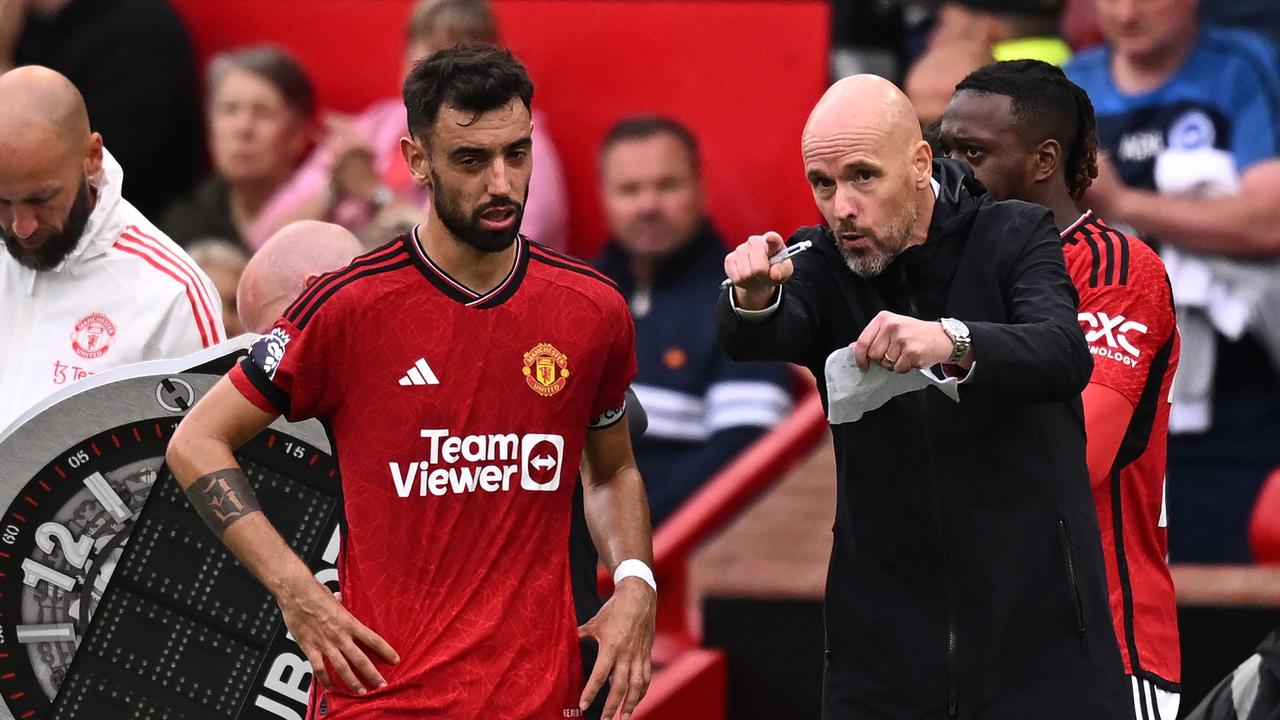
[1260,15]
[668,262]
[1190,119]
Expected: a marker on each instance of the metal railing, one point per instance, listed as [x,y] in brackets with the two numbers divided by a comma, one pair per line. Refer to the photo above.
[713,507]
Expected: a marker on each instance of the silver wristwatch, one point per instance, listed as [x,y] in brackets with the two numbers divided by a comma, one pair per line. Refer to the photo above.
[959,334]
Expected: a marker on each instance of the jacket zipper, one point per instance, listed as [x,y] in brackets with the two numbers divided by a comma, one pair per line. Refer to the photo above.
[953,699]
[1075,581]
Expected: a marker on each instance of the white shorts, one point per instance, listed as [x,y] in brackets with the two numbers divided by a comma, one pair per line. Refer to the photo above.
[1152,703]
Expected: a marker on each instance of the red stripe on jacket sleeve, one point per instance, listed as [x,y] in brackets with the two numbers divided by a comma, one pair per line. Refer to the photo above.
[184,268]
[191,297]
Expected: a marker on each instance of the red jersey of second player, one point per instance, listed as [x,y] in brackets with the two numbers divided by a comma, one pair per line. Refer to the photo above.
[1126,312]
[459,420]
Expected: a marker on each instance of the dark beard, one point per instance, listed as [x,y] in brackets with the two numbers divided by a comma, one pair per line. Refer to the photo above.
[53,251]
[467,227]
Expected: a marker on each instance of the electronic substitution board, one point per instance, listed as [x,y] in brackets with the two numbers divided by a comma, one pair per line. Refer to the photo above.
[116,601]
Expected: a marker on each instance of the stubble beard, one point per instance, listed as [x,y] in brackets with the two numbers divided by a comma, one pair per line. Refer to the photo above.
[884,246]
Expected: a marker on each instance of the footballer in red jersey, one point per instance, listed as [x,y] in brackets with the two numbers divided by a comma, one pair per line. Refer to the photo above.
[463,372]
[1029,134]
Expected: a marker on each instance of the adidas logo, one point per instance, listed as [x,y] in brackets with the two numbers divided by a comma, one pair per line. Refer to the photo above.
[420,374]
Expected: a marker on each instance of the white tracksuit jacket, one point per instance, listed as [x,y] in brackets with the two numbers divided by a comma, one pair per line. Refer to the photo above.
[125,294]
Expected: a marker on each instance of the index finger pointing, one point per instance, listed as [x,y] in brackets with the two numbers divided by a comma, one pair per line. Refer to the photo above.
[774,242]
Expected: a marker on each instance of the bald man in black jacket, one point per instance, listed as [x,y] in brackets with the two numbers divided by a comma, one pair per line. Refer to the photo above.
[966,576]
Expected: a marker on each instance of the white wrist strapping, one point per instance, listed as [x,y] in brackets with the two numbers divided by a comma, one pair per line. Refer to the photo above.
[634,568]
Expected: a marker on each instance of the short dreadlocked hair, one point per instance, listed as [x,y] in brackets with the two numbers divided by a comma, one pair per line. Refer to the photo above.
[1046,106]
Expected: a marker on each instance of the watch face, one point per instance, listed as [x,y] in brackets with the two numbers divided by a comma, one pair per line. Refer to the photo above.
[61,542]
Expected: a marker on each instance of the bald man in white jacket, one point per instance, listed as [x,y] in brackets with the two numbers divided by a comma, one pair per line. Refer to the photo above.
[87,283]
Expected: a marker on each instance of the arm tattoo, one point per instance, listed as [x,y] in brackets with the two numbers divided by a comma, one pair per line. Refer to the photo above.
[223,497]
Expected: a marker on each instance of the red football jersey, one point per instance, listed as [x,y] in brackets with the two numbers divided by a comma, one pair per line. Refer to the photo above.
[458,420]
[1126,312]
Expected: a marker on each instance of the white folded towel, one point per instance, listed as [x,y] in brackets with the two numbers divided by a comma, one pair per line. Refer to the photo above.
[852,393]
[1213,294]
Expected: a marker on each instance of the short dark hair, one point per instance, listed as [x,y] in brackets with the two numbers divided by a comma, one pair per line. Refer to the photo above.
[1048,106]
[643,127]
[272,64]
[471,78]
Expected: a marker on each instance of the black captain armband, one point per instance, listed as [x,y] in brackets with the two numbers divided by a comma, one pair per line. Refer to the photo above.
[608,418]
[222,497]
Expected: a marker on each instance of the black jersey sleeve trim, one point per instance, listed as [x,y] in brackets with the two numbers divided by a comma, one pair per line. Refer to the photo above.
[1122,569]
[1159,682]
[269,390]
[1138,435]
[1136,439]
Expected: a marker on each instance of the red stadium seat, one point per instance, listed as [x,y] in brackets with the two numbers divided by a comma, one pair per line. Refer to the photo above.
[1264,525]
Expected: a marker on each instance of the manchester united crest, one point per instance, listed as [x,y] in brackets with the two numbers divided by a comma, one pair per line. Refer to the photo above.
[93,336]
[546,369]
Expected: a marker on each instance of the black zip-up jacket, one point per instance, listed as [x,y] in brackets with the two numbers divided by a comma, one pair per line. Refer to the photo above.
[966,575]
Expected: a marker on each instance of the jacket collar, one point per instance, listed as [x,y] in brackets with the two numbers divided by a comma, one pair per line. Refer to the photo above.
[95,240]
[959,195]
